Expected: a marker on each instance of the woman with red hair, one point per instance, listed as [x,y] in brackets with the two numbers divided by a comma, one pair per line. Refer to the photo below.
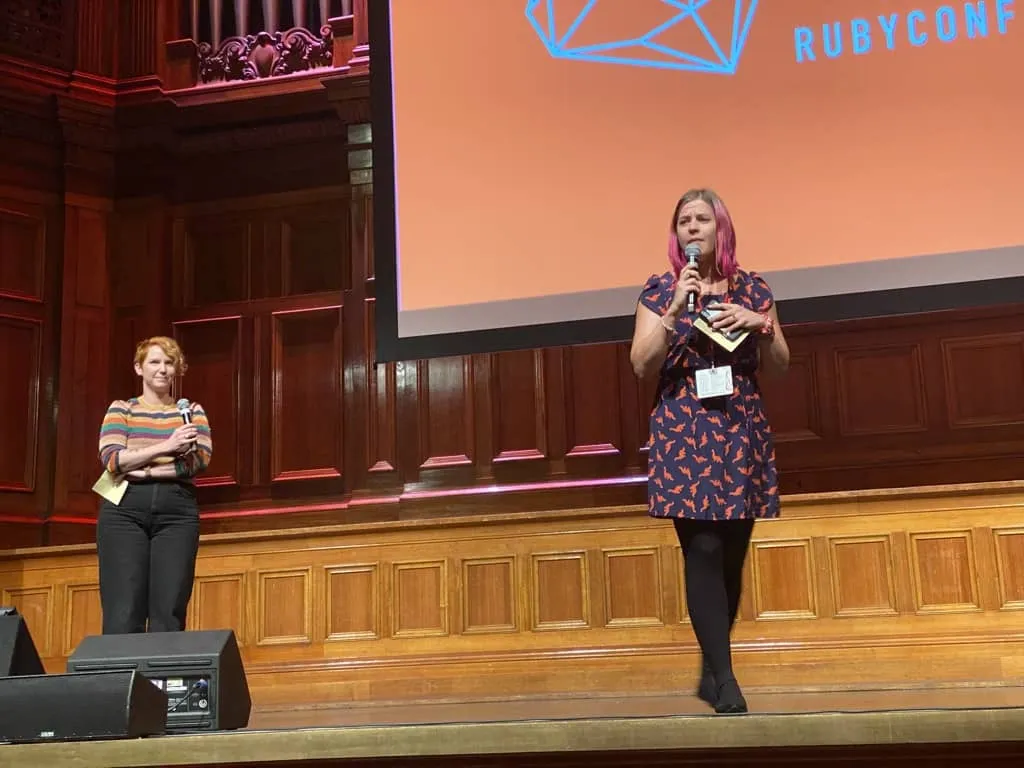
[711,461]
[147,542]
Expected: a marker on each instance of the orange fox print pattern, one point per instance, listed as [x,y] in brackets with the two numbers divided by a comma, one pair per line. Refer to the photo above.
[710,459]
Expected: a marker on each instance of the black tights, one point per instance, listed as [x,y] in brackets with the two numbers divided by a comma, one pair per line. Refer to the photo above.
[713,555]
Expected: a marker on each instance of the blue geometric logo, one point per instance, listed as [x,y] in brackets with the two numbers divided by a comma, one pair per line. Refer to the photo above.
[647,49]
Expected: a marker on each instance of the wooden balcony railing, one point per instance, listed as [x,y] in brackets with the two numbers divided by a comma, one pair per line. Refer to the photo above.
[226,41]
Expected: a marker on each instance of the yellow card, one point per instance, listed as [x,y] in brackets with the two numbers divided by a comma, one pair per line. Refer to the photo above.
[718,337]
[111,488]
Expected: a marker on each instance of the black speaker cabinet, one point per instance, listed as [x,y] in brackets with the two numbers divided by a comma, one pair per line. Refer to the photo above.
[100,705]
[18,655]
[201,672]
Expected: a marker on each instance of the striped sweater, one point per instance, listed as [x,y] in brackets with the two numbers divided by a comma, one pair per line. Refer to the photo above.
[132,424]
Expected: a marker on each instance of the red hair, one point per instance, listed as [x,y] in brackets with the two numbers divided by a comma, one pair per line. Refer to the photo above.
[168,346]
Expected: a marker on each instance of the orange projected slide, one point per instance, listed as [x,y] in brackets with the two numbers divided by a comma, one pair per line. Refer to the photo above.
[540,145]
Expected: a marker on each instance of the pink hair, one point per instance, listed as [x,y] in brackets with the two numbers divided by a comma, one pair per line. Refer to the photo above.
[725,238]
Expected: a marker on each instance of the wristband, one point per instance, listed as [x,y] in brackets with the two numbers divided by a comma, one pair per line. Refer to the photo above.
[768,329]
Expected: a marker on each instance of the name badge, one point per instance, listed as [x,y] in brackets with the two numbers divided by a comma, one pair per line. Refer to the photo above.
[714,382]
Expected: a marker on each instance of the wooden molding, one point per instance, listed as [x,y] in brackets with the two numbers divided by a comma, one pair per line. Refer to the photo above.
[834,597]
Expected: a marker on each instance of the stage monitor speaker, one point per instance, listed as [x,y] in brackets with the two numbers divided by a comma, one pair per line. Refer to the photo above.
[201,672]
[18,654]
[79,707]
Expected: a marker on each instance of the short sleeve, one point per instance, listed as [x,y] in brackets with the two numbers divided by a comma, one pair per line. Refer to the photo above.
[761,297]
[653,295]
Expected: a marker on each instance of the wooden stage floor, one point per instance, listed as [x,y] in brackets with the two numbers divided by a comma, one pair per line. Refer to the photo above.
[929,727]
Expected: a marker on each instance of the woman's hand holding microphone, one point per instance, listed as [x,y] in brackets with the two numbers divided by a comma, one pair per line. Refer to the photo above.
[687,284]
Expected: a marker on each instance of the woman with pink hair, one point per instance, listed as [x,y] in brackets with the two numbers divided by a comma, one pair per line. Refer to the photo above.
[711,460]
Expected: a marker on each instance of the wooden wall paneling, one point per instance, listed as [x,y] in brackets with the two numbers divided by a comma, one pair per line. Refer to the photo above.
[446,449]
[513,425]
[218,253]
[793,401]
[984,379]
[83,614]
[864,573]
[855,589]
[557,409]
[1009,553]
[20,389]
[784,584]
[89,132]
[902,571]
[315,242]
[128,328]
[356,373]
[354,599]
[560,590]
[950,553]
[631,413]
[23,245]
[362,262]
[219,379]
[883,402]
[419,599]
[483,417]
[284,607]
[262,373]
[592,417]
[370,399]
[84,392]
[881,388]
[380,461]
[37,605]
[268,150]
[896,401]
[307,430]
[988,574]
[31,252]
[140,285]
[633,590]
[31,153]
[646,392]
[257,262]
[29,239]
[803,406]
[490,595]
[140,274]
[141,256]
[221,600]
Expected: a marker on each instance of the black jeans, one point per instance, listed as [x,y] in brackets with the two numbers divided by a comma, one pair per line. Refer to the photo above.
[147,548]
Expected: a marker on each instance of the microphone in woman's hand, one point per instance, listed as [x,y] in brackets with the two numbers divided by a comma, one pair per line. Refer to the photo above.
[692,252]
[185,410]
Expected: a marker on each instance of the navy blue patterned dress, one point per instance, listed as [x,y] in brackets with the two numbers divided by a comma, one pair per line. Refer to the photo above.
[711,459]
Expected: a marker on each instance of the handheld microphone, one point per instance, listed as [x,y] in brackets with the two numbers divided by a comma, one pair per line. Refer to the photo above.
[692,253]
[185,410]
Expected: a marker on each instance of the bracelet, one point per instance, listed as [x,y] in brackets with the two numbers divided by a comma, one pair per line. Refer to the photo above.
[768,329]
[149,473]
[670,329]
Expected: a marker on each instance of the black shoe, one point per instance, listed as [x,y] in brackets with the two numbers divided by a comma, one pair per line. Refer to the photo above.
[707,691]
[730,699]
